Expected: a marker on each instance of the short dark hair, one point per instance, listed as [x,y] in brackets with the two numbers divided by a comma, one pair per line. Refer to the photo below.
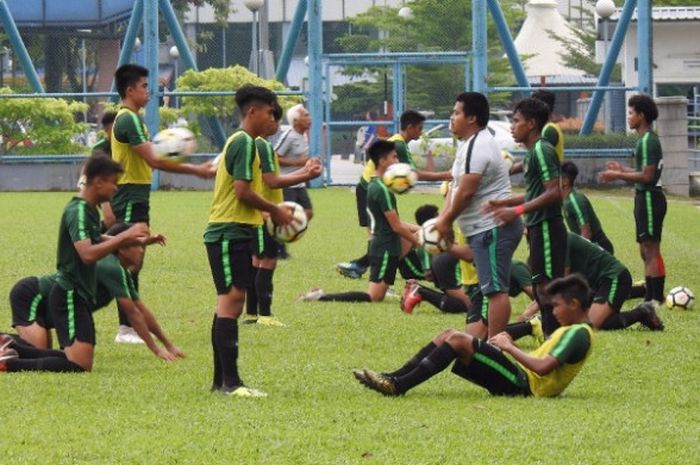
[475,104]
[426,212]
[411,118]
[100,165]
[546,96]
[380,149]
[118,229]
[250,95]
[644,104]
[108,118]
[570,171]
[533,109]
[277,111]
[128,75]
[573,286]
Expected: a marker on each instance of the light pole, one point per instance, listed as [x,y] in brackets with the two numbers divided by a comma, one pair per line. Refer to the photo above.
[604,9]
[175,55]
[254,6]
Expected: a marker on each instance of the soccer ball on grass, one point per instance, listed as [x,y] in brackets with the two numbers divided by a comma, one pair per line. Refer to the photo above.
[680,298]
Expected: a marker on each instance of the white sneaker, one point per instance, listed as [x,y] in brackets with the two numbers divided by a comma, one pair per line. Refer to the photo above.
[313,294]
[127,335]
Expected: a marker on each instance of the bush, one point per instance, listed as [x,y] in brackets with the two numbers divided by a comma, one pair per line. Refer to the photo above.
[602,141]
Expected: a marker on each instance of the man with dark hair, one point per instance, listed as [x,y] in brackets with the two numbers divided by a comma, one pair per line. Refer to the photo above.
[103,145]
[649,198]
[551,131]
[131,147]
[265,247]
[411,129]
[541,204]
[578,211]
[235,215]
[479,176]
[545,372]
[391,237]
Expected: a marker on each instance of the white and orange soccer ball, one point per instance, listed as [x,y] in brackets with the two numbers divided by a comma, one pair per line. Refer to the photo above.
[174,144]
[680,298]
[430,239]
[293,231]
[400,178]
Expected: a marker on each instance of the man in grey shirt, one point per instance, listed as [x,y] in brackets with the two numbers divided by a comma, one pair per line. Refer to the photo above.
[292,148]
[479,175]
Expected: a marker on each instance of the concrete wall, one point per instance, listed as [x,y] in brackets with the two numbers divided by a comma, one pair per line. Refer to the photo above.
[672,127]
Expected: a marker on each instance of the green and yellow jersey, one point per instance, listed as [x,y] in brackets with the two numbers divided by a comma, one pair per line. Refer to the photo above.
[589,259]
[269,163]
[134,183]
[379,200]
[579,211]
[552,133]
[540,166]
[648,152]
[229,217]
[402,152]
[571,346]
[80,221]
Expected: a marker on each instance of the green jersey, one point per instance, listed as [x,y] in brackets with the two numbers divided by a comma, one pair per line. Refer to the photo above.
[113,282]
[578,211]
[80,221]
[381,200]
[520,278]
[540,166]
[102,146]
[648,152]
[589,259]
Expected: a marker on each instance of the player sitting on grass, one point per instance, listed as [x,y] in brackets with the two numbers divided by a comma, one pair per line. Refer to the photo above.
[33,323]
[610,281]
[578,211]
[411,129]
[649,198]
[391,237]
[545,372]
[265,247]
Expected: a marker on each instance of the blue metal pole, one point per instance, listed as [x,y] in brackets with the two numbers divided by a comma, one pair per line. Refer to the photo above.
[316,84]
[18,46]
[291,41]
[606,71]
[507,41]
[151,43]
[645,47]
[327,100]
[479,45]
[397,95]
[188,60]
[129,39]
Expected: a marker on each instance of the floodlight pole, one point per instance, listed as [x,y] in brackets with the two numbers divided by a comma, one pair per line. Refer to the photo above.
[645,47]
[291,41]
[316,85]
[480,46]
[129,39]
[151,42]
[508,44]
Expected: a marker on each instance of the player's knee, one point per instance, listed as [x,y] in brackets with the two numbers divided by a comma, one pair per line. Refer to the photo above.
[309,214]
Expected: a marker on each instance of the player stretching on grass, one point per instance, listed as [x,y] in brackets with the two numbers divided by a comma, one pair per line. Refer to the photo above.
[545,372]
[649,198]
[265,247]
[234,217]
[541,204]
[132,149]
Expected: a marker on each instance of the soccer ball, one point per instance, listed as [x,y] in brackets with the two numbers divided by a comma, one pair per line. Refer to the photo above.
[680,298]
[508,159]
[292,231]
[174,144]
[444,188]
[430,239]
[400,178]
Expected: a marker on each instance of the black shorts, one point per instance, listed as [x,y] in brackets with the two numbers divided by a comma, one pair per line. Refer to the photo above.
[133,213]
[298,195]
[361,201]
[614,291]
[547,242]
[410,266]
[447,273]
[28,305]
[479,308]
[231,263]
[264,245]
[493,371]
[649,213]
[72,317]
[383,268]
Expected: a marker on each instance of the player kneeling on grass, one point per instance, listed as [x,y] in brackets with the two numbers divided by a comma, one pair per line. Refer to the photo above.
[31,318]
[391,237]
[545,372]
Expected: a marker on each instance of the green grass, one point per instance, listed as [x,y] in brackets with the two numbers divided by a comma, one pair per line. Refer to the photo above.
[636,401]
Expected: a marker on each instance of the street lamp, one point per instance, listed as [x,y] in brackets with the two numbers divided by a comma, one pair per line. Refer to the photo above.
[254,6]
[604,9]
[175,55]
[406,13]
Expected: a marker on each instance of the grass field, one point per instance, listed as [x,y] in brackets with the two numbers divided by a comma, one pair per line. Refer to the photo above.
[637,400]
